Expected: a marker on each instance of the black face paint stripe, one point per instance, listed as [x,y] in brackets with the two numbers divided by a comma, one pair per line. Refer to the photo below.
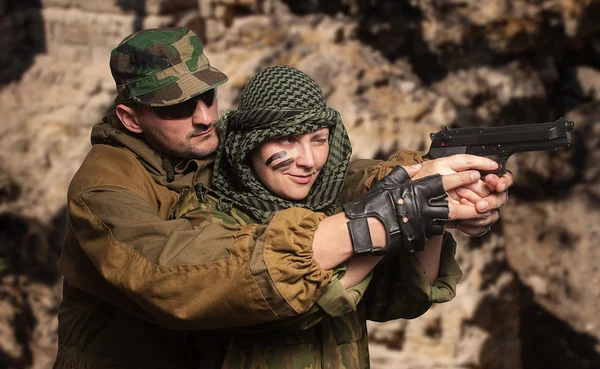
[277,155]
[283,164]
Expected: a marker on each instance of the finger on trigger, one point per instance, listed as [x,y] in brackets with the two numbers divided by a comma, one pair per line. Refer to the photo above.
[505,182]
[492,181]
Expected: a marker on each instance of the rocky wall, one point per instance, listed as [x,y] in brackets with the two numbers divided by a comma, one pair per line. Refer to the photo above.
[396,71]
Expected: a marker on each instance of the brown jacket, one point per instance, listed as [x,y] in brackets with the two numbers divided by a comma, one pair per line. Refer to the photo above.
[333,333]
[132,276]
[122,259]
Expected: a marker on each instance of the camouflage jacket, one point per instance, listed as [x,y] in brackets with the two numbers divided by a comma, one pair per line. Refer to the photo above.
[333,333]
[132,278]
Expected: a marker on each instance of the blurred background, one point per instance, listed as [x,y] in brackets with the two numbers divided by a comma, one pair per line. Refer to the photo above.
[396,70]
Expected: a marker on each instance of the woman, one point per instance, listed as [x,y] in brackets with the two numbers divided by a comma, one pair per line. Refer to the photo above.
[285,148]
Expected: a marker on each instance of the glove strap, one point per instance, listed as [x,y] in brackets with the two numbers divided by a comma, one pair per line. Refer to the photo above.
[358,228]
[360,235]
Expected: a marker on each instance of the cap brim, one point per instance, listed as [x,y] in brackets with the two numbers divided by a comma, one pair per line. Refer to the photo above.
[185,88]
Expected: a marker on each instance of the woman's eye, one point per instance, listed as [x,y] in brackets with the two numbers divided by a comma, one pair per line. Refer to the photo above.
[287,139]
[320,141]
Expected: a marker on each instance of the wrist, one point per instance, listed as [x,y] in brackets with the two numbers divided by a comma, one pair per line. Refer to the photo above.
[378,232]
[331,243]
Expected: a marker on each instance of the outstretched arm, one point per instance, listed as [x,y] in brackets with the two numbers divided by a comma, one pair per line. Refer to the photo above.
[334,229]
[363,173]
[486,195]
[122,250]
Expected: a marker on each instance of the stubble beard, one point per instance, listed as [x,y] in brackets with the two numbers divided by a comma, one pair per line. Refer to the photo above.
[202,148]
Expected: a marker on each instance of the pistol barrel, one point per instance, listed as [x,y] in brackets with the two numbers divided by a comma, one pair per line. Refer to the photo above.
[558,130]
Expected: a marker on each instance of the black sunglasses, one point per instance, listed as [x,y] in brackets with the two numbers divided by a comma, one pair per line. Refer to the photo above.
[187,108]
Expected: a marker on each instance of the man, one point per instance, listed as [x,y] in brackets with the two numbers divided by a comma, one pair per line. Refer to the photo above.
[131,275]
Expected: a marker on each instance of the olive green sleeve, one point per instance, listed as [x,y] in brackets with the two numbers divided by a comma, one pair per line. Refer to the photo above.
[396,289]
[449,274]
[362,173]
[338,301]
[335,301]
[220,276]
[399,288]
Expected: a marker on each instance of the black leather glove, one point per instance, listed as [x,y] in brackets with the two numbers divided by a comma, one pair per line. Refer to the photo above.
[411,211]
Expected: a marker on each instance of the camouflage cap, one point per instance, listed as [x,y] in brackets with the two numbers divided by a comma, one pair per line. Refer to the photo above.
[162,66]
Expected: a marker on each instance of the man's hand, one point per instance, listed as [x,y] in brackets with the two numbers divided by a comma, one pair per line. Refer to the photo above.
[412,212]
[455,163]
[487,196]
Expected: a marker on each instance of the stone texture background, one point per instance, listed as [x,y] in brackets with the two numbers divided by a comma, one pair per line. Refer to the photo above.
[396,70]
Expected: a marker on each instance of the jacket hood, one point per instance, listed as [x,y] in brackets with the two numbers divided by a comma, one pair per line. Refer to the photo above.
[174,173]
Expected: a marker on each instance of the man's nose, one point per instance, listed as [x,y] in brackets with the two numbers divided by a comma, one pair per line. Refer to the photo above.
[204,114]
[305,156]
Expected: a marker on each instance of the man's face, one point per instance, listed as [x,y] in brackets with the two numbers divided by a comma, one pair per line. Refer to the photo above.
[187,137]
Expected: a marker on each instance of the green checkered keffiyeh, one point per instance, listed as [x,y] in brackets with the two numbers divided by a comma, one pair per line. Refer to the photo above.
[279,101]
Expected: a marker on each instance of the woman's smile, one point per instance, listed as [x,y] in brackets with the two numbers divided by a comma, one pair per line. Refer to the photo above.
[301,179]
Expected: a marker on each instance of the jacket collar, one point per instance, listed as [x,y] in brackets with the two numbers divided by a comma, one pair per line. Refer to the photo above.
[185,173]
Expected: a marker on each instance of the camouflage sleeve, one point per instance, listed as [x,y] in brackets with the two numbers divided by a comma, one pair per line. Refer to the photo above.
[338,301]
[400,290]
[444,287]
[363,172]
[220,276]
[335,301]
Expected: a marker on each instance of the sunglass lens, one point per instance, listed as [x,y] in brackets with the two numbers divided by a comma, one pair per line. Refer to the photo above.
[178,111]
[208,97]
[187,108]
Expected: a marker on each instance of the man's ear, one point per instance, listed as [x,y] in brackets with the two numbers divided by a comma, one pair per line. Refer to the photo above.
[129,118]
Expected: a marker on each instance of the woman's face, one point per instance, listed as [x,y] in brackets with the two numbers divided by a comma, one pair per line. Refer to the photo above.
[289,165]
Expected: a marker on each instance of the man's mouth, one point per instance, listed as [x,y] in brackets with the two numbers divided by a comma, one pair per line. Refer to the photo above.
[204,132]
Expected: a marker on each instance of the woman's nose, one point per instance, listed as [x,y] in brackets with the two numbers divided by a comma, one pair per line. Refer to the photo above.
[305,156]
